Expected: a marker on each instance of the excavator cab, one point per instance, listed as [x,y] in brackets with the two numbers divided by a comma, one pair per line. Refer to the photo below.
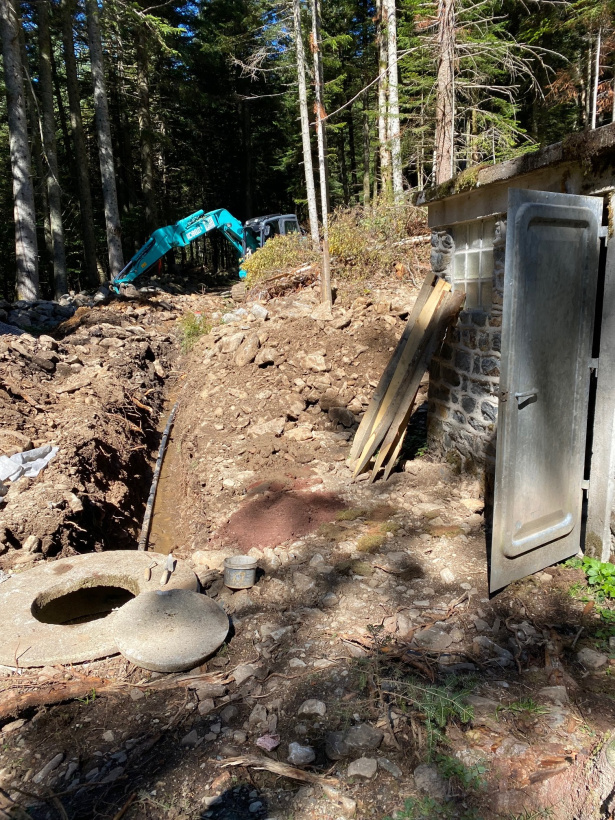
[263,228]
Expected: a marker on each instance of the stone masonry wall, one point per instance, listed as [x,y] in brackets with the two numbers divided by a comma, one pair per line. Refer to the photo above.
[464,375]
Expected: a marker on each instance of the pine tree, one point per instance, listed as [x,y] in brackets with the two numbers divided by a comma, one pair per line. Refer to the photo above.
[26,246]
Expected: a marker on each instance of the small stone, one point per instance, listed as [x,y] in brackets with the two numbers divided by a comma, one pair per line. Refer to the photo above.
[210,690]
[435,639]
[244,671]
[265,356]
[363,737]
[474,505]
[303,432]
[13,726]
[341,415]
[31,544]
[190,740]
[296,663]
[312,707]
[254,807]
[428,779]
[330,600]
[316,362]
[229,713]
[390,767]
[591,659]
[447,575]
[159,370]
[364,767]
[258,715]
[206,705]
[299,755]
[247,351]
[259,311]
[48,768]
[302,582]
[136,694]
[108,736]
[239,736]
[229,344]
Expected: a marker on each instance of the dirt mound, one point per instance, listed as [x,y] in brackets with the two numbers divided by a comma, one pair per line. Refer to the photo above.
[277,516]
[95,391]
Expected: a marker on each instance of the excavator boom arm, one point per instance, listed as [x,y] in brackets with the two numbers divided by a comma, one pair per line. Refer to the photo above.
[182,233]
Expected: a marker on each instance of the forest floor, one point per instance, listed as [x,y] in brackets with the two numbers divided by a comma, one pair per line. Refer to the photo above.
[369,644]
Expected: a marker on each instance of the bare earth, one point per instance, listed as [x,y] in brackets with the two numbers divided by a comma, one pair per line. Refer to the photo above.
[371,600]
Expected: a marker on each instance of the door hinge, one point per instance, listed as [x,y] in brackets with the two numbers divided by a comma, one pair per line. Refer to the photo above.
[502,395]
[593,365]
[585,484]
[603,233]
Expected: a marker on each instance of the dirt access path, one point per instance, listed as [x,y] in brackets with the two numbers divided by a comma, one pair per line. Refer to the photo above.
[369,655]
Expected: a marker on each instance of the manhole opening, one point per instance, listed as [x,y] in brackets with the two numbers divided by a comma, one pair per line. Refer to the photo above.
[81,605]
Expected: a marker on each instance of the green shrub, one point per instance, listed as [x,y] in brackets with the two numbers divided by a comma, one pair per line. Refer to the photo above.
[192,328]
[362,242]
[281,254]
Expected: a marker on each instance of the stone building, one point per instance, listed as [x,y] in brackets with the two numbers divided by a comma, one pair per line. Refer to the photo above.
[533,351]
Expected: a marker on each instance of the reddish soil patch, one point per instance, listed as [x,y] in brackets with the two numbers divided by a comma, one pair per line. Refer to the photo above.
[276,516]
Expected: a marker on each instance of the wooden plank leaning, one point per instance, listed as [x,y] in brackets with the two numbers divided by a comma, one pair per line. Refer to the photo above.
[447,311]
[365,427]
[407,363]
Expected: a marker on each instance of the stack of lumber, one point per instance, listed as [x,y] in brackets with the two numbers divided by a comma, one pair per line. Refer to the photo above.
[380,436]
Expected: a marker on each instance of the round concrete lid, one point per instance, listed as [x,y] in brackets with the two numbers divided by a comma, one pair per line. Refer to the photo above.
[169,630]
[26,641]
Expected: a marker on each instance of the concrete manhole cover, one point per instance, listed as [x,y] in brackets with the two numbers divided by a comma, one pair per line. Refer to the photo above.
[170,630]
[63,611]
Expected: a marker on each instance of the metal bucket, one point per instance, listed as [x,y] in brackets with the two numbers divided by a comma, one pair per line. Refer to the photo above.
[239,572]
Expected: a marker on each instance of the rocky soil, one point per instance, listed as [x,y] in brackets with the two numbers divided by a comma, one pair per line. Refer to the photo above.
[368,656]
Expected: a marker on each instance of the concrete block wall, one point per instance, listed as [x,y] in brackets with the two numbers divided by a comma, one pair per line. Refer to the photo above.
[464,376]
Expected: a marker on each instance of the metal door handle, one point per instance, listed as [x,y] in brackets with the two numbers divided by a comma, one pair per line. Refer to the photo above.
[526,394]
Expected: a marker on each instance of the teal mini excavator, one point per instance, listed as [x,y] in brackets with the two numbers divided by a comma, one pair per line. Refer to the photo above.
[245,238]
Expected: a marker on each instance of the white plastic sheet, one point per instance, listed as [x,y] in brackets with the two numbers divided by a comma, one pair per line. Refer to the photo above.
[27,464]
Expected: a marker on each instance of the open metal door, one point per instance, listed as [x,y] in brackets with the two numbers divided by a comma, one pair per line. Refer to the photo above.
[549,296]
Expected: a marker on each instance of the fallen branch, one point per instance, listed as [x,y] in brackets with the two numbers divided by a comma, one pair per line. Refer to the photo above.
[413,240]
[59,692]
[17,702]
[281,769]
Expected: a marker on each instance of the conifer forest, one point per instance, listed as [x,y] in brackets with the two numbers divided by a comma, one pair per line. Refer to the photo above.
[119,117]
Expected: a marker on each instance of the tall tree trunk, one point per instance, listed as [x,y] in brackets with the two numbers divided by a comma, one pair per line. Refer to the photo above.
[596,78]
[93,272]
[343,168]
[105,147]
[445,92]
[57,92]
[41,204]
[352,155]
[587,88]
[26,248]
[393,118]
[383,135]
[51,156]
[246,139]
[323,167]
[366,150]
[305,126]
[146,134]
